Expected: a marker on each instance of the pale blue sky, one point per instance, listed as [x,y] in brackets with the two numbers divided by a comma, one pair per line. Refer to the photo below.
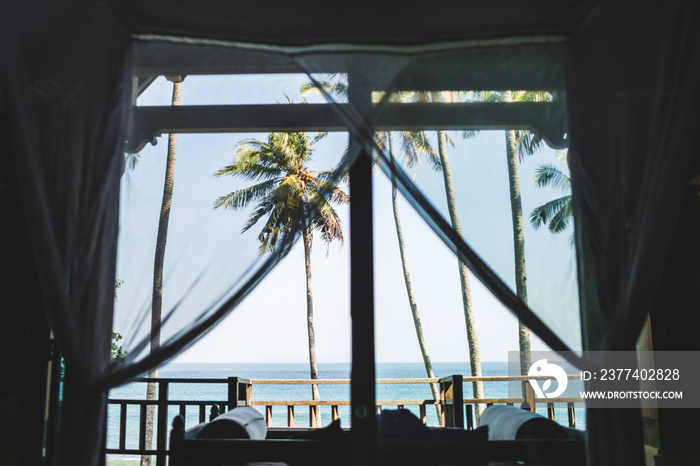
[270,325]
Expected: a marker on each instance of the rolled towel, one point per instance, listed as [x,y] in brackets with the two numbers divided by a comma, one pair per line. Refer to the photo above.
[239,423]
[509,423]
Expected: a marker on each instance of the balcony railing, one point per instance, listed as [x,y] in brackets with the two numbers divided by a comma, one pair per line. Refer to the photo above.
[454,409]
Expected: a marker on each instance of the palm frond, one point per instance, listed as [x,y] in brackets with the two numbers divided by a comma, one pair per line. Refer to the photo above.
[245,196]
[132,160]
[482,96]
[532,96]
[543,214]
[263,209]
[338,88]
[255,160]
[335,176]
[284,207]
[381,139]
[322,192]
[528,143]
[414,145]
[324,218]
[563,157]
[560,220]
[547,174]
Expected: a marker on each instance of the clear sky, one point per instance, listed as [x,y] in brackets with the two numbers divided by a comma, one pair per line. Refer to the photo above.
[207,257]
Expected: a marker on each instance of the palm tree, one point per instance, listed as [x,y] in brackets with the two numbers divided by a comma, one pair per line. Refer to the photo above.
[556,214]
[291,198]
[414,144]
[469,318]
[161,241]
[518,144]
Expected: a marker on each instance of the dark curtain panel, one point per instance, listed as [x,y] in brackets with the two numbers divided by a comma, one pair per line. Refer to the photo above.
[68,86]
[634,119]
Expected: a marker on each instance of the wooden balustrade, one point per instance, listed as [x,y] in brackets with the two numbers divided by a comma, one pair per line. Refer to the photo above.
[456,411]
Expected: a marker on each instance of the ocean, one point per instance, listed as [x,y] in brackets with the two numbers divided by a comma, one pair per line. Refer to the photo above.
[218,392]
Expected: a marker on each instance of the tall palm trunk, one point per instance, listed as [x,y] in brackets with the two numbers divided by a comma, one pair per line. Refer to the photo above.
[518,239]
[407,280]
[310,324]
[470,320]
[162,238]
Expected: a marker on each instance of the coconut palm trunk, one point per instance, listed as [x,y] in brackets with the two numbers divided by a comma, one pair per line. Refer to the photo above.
[469,318]
[518,238]
[162,238]
[313,366]
[407,281]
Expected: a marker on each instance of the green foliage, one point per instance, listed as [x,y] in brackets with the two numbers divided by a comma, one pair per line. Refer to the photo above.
[118,353]
[117,284]
[289,196]
[557,214]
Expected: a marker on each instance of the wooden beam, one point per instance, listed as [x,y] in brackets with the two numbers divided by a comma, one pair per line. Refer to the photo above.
[522,67]
[169,59]
[152,121]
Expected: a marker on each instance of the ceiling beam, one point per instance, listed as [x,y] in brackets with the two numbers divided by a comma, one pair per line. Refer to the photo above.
[149,122]
[521,67]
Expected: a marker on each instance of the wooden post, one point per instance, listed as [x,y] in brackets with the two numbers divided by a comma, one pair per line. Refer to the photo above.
[572,415]
[445,409]
[142,428]
[177,437]
[451,401]
[161,454]
[457,402]
[268,415]
[213,413]
[239,392]
[529,402]
[122,427]
[550,411]
[313,410]
[470,417]
[290,416]
[334,412]
[423,417]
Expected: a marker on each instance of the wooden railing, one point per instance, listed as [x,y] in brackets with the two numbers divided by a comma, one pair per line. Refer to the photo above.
[455,410]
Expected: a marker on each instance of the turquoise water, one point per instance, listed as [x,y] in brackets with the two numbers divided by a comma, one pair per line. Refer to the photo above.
[218,392]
